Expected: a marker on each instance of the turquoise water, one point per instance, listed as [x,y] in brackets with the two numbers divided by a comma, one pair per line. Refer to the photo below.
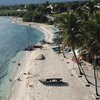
[13,39]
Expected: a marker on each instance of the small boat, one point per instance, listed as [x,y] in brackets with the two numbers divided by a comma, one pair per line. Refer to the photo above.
[51,80]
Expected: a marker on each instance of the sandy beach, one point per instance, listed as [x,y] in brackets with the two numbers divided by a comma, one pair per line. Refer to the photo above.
[31,71]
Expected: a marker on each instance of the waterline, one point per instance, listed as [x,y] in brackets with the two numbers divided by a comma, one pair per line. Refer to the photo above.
[13,39]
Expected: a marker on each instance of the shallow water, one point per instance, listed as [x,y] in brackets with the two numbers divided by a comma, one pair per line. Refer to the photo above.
[13,39]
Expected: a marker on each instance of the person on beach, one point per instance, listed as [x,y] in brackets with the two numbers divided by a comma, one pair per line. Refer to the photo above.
[18,64]
[19,79]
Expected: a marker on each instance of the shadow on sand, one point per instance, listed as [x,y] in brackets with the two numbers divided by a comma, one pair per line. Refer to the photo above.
[59,84]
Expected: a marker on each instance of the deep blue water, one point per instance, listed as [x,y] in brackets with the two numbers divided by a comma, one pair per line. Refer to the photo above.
[12,2]
[13,38]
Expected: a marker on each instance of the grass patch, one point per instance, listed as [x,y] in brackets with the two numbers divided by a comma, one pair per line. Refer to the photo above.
[97,68]
[58,14]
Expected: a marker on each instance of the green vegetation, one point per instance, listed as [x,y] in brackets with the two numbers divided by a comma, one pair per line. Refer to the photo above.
[28,17]
[97,68]
[35,17]
[12,13]
[81,29]
[37,12]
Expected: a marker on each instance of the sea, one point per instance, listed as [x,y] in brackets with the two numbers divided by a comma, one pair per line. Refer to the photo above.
[13,39]
[15,2]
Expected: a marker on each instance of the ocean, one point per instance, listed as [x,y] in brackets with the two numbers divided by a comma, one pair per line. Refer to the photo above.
[13,39]
[15,2]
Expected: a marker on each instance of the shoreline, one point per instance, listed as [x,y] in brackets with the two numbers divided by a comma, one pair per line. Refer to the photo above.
[19,74]
[48,32]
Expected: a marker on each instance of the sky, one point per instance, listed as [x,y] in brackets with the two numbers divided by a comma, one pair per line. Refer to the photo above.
[12,2]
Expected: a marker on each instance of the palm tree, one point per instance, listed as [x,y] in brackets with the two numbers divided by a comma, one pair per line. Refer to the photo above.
[93,44]
[74,38]
[92,29]
[76,26]
[70,36]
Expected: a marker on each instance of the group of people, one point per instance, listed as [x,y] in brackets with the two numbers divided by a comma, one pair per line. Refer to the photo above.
[44,42]
[30,48]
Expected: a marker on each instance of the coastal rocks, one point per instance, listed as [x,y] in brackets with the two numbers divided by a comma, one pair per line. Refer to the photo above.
[30,48]
[40,57]
[13,61]
[44,42]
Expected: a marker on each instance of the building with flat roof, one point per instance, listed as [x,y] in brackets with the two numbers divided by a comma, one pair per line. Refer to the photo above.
[98,5]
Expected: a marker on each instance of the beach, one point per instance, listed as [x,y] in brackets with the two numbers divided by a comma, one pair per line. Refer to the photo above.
[29,57]
[27,83]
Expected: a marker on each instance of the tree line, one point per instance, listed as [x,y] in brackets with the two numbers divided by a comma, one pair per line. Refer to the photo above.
[81,29]
[37,12]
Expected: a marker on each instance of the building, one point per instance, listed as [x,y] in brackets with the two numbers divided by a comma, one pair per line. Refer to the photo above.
[97,6]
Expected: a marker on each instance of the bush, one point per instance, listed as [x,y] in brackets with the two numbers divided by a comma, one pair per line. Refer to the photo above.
[27,17]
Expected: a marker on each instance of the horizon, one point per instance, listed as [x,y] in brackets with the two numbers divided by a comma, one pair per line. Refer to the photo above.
[18,2]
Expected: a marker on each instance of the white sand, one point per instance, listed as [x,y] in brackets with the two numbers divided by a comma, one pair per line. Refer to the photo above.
[53,66]
[18,88]
[30,88]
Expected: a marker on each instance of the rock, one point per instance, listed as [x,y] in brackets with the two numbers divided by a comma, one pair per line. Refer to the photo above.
[13,61]
[40,57]
[10,80]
